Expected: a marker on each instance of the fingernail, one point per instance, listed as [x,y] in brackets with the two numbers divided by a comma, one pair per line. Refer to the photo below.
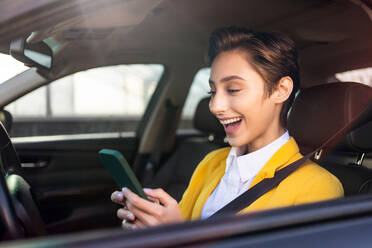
[151,198]
[124,189]
[120,211]
[130,216]
[147,190]
[120,196]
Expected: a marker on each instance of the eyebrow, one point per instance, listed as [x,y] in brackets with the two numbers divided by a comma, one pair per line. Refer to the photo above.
[228,78]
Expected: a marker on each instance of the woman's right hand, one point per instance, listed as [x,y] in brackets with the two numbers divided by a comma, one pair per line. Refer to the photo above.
[160,208]
[127,217]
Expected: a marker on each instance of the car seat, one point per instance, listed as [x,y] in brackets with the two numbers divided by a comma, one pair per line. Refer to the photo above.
[347,161]
[318,112]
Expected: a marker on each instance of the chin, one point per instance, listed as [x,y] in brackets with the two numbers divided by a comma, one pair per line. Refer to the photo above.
[235,142]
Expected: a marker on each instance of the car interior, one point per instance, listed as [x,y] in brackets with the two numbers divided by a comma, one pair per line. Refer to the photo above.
[67,190]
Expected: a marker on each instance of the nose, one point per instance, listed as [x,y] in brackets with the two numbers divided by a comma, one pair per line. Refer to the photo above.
[218,104]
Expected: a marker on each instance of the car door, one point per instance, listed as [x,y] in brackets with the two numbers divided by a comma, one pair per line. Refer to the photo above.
[58,130]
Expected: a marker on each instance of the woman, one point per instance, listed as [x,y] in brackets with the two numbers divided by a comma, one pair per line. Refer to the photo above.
[254,78]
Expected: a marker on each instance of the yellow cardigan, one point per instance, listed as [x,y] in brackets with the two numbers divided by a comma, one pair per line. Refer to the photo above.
[309,183]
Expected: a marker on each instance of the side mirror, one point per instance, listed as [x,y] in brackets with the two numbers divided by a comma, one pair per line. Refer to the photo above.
[7,119]
[37,54]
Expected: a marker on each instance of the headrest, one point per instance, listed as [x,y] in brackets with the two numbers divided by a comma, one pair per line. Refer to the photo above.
[205,121]
[320,111]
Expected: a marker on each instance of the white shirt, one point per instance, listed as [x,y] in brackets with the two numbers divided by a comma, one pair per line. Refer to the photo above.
[239,174]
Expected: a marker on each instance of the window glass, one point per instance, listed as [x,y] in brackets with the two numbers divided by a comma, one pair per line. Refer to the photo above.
[199,89]
[121,92]
[13,67]
[33,104]
[363,76]
[115,90]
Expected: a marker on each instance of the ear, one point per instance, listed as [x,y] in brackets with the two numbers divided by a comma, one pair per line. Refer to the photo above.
[283,90]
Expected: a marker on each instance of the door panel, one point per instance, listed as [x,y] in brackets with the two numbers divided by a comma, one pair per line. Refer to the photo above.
[71,187]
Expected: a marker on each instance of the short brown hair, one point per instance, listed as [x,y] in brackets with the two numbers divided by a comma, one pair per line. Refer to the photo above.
[273,55]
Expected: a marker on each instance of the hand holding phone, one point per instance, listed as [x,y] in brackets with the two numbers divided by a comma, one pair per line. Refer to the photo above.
[119,169]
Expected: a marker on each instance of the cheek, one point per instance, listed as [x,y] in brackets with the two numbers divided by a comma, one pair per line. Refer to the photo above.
[248,105]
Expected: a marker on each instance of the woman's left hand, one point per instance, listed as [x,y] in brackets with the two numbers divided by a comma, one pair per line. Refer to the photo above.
[151,213]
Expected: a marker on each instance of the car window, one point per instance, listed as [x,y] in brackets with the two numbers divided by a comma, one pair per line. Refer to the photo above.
[105,99]
[13,67]
[199,89]
[363,76]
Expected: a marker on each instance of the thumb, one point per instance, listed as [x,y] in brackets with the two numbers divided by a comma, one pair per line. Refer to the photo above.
[160,194]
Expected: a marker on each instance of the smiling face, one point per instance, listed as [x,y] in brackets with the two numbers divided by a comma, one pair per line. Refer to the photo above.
[238,99]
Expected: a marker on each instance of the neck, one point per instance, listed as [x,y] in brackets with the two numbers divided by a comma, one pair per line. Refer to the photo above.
[264,139]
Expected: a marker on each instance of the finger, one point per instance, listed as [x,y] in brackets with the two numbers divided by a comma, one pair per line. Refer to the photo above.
[118,197]
[134,201]
[132,225]
[143,217]
[160,194]
[124,214]
[127,225]
[139,224]
[154,200]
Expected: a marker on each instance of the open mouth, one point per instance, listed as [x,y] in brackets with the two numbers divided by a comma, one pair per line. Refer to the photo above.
[231,125]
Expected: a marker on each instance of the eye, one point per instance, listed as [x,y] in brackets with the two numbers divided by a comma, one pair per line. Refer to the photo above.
[211,92]
[233,90]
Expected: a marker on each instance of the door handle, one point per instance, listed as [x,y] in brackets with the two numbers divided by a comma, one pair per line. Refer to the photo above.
[38,164]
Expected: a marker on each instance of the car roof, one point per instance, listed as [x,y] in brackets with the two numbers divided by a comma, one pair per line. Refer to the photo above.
[332,36]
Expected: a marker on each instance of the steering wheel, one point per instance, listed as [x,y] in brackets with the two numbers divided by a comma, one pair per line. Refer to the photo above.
[19,214]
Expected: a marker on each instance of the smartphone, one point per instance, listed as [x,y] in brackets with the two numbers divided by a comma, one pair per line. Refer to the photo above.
[119,169]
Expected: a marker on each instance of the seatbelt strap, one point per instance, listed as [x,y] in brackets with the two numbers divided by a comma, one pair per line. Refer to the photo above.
[252,194]
[160,143]
[162,139]
[261,188]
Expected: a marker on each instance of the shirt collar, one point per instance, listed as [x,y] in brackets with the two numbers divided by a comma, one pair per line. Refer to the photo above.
[286,155]
[250,164]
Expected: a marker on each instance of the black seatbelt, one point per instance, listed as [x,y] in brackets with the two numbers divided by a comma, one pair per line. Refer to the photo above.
[261,188]
[252,194]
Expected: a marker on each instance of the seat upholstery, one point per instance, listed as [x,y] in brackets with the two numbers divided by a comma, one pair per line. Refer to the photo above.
[348,154]
[175,174]
[205,121]
[320,111]
[334,106]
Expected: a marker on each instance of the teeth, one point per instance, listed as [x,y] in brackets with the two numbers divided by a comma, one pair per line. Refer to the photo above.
[229,121]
